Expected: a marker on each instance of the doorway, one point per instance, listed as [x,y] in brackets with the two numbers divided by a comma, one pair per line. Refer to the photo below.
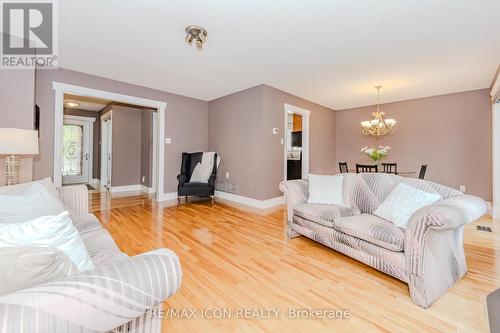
[77,149]
[158,107]
[296,142]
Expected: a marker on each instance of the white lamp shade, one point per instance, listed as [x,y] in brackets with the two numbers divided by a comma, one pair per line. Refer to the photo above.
[14,141]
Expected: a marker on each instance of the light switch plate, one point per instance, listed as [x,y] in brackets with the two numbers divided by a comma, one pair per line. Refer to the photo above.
[168,140]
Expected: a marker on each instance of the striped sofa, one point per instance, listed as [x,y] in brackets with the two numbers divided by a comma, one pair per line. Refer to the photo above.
[122,294]
[428,255]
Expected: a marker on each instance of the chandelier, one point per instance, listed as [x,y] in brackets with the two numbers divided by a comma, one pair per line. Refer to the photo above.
[378,126]
[197,34]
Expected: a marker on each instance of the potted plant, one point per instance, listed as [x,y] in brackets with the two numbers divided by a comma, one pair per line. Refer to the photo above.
[376,154]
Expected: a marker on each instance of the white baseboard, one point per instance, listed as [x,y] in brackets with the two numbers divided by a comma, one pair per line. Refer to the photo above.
[132,188]
[168,196]
[95,181]
[126,188]
[146,189]
[261,204]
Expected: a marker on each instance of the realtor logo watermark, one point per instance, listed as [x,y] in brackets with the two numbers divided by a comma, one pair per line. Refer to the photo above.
[29,34]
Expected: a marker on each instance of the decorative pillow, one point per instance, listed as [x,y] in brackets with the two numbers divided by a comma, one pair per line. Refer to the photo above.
[201,173]
[48,231]
[32,200]
[402,202]
[25,267]
[326,190]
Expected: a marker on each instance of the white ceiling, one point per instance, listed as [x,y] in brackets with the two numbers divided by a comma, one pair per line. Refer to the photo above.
[330,52]
[85,103]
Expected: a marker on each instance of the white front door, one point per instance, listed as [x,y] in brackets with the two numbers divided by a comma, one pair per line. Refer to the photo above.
[77,150]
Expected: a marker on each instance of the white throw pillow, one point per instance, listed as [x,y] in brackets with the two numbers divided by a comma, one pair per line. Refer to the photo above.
[201,173]
[326,190]
[23,203]
[48,231]
[402,202]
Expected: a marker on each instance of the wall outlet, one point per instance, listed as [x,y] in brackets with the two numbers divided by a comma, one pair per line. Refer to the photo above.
[168,140]
[143,179]
[227,175]
[282,142]
[462,188]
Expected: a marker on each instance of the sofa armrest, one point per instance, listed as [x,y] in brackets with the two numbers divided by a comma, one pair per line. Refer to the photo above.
[296,192]
[434,221]
[433,246]
[101,299]
[75,198]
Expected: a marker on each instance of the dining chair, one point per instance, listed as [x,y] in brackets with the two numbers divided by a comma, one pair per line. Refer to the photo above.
[343,167]
[390,168]
[423,169]
[366,168]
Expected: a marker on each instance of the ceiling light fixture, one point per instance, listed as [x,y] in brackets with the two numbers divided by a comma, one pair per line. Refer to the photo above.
[197,34]
[378,126]
[72,104]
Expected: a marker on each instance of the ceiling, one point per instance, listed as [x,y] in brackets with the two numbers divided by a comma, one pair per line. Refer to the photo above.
[85,103]
[330,52]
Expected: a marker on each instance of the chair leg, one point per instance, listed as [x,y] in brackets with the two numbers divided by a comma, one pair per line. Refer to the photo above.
[212,197]
[178,201]
[186,199]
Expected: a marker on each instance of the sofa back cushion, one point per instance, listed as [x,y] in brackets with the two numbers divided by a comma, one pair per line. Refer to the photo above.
[48,231]
[20,203]
[368,190]
[326,190]
[403,202]
[24,267]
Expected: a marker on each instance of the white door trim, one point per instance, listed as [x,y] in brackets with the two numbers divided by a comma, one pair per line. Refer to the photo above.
[495,211]
[160,106]
[88,129]
[105,145]
[305,138]
[155,152]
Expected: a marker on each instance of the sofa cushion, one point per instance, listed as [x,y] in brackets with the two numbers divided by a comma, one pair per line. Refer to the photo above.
[326,190]
[55,231]
[372,229]
[86,222]
[323,214]
[23,267]
[101,247]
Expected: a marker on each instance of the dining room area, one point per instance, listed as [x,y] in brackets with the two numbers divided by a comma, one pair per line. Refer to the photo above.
[376,155]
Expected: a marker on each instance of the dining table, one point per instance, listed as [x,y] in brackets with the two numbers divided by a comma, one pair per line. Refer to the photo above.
[399,173]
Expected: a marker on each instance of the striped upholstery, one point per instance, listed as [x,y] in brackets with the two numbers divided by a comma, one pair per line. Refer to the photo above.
[75,198]
[323,214]
[428,255]
[122,294]
[372,229]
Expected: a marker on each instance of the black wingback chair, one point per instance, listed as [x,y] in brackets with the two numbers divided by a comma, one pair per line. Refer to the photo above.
[185,188]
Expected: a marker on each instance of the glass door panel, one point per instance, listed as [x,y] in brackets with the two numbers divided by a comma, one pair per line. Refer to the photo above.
[73,150]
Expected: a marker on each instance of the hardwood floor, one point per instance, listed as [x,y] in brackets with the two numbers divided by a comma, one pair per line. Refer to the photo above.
[234,258]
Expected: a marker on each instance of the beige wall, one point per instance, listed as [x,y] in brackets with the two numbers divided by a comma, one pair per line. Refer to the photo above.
[16,111]
[235,132]
[321,138]
[186,119]
[126,146]
[240,129]
[451,133]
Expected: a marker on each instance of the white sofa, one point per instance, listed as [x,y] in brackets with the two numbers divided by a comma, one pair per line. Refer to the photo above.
[122,293]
